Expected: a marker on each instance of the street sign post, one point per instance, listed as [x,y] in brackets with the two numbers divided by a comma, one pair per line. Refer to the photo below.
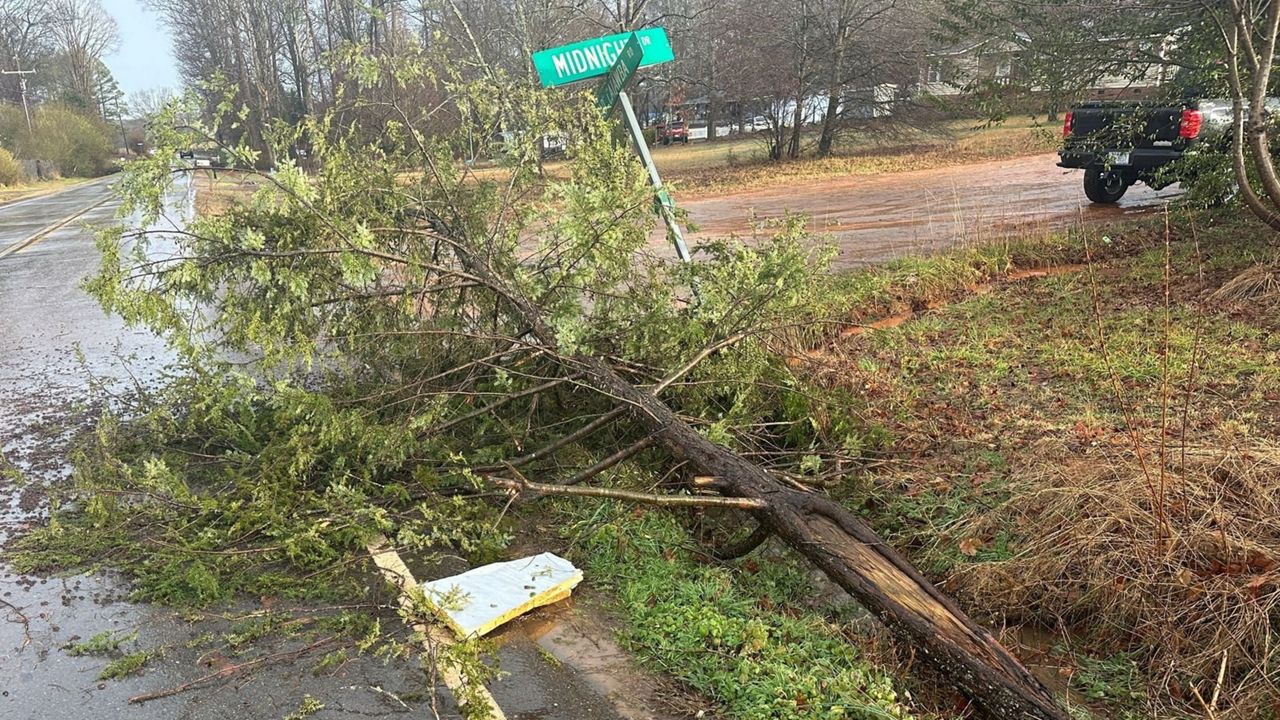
[593,58]
[617,57]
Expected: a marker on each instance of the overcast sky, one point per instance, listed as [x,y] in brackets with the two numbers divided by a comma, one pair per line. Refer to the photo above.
[145,57]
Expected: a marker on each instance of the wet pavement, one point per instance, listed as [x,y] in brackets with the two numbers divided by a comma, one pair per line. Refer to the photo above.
[56,344]
[872,218]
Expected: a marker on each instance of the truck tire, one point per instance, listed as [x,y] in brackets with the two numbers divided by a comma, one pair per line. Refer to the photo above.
[1104,186]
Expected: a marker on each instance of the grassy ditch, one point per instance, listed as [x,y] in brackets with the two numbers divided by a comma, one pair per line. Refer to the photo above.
[1091,453]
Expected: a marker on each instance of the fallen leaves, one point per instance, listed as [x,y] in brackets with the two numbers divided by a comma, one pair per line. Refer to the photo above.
[969,547]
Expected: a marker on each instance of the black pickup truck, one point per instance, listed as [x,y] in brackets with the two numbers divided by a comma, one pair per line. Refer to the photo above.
[1118,144]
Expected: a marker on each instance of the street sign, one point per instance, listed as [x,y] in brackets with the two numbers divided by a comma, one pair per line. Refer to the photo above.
[593,58]
[620,74]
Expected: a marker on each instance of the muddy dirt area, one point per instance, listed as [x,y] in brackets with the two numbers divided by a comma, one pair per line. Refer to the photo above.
[872,218]
[58,354]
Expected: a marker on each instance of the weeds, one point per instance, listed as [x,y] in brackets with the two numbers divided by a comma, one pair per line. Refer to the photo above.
[742,638]
[108,642]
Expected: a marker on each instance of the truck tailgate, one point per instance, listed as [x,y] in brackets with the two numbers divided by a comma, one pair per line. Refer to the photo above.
[1131,126]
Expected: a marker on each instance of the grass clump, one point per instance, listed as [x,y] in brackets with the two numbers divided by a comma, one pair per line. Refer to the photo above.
[743,637]
[109,642]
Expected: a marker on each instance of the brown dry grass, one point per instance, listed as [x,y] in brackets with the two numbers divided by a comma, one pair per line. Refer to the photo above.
[957,144]
[1260,282]
[230,187]
[1201,596]
[705,169]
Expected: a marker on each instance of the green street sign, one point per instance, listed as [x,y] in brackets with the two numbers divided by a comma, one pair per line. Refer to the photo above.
[620,74]
[593,58]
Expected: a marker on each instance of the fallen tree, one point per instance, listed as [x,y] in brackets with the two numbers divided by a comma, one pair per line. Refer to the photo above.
[461,330]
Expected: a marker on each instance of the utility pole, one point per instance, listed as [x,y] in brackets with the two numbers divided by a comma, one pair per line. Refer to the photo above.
[22,85]
[26,109]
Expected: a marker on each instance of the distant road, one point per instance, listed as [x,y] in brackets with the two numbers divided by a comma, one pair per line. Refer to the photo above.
[872,218]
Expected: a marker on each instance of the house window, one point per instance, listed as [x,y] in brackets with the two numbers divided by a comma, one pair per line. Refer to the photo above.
[934,74]
[1004,69]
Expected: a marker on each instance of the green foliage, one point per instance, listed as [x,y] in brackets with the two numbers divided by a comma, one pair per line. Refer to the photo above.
[1113,679]
[107,641]
[384,302]
[371,334]
[125,666]
[721,630]
[308,707]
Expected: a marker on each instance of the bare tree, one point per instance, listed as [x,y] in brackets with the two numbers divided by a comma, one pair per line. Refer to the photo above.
[84,33]
[1249,30]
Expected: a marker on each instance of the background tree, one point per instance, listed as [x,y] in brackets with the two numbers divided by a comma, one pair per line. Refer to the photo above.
[83,33]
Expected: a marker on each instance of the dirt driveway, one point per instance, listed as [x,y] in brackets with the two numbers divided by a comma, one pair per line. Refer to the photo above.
[872,218]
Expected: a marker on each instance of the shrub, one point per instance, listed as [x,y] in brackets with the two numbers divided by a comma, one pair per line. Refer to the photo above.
[74,143]
[10,169]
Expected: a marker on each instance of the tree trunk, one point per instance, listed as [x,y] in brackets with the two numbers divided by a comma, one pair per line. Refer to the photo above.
[797,122]
[856,559]
[835,89]
[826,533]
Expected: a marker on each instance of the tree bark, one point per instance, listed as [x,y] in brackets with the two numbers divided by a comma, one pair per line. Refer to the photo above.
[835,88]
[856,559]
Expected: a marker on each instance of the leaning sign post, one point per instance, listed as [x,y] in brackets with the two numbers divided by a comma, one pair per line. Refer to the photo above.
[617,57]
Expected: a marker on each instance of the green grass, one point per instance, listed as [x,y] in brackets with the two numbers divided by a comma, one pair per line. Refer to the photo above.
[108,642]
[742,635]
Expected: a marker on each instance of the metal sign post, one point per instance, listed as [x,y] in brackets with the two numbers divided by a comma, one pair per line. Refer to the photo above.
[617,57]
[666,207]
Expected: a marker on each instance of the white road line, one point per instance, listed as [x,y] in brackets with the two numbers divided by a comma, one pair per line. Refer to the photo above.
[67,189]
[39,234]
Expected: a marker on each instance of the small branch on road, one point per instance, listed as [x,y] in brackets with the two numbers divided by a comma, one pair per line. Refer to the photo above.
[230,670]
[22,617]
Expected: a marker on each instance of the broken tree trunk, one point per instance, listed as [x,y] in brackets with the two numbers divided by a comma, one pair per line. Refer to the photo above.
[824,532]
[856,559]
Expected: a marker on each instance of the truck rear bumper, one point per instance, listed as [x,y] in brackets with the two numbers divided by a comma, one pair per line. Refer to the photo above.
[1140,159]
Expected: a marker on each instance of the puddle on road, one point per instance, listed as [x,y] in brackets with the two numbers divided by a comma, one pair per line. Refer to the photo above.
[580,638]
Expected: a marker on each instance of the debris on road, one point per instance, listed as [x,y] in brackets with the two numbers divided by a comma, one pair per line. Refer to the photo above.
[477,601]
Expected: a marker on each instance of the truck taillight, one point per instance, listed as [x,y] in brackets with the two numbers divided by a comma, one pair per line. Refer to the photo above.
[1067,124]
[1189,127]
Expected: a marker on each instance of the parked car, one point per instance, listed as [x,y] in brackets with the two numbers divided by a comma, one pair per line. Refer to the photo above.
[675,131]
[187,154]
[1118,144]
[758,123]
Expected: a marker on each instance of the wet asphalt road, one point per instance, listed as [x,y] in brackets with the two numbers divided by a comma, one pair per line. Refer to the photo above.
[55,344]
